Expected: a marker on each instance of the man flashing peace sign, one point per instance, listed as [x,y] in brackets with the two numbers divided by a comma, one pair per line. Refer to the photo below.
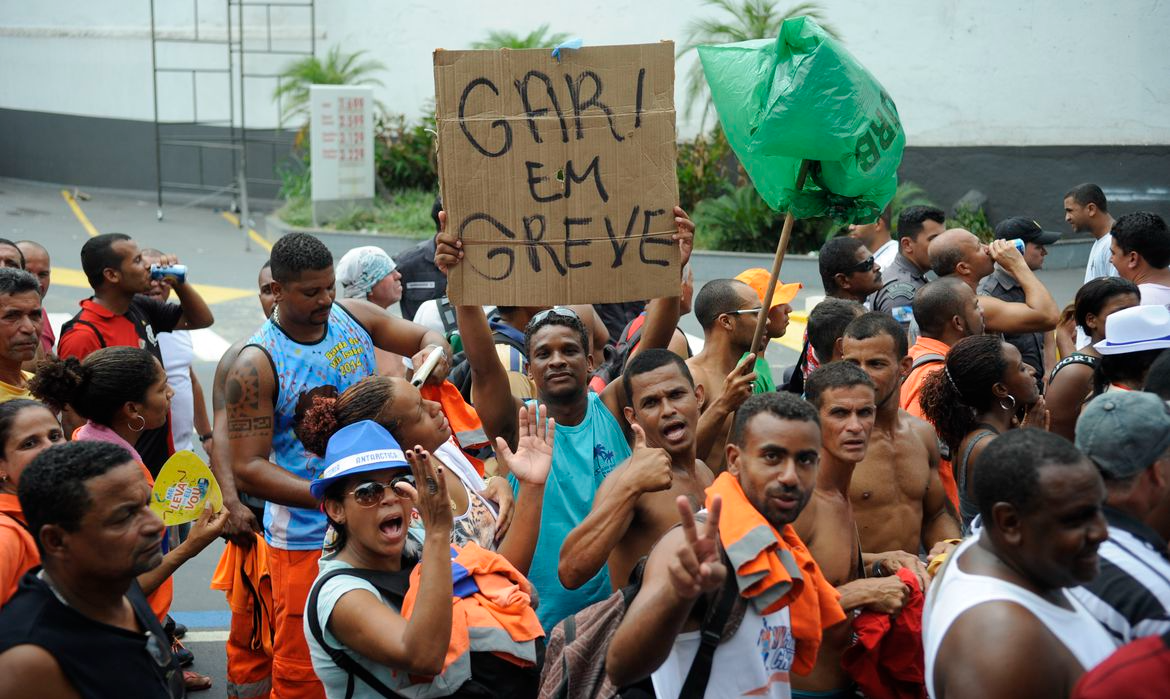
[728,571]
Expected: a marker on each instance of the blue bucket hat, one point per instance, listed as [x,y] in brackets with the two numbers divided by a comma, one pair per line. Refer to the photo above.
[358,448]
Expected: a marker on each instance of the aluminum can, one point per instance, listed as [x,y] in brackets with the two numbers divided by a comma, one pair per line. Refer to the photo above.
[176,272]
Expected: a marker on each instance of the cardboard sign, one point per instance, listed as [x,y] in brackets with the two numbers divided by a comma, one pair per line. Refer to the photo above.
[184,486]
[559,176]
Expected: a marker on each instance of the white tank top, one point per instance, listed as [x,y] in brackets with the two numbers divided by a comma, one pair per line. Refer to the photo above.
[957,592]
[755,661]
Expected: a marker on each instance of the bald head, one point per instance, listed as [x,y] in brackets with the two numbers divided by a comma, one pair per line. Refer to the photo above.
[947,307]
[957,251]
[947,250]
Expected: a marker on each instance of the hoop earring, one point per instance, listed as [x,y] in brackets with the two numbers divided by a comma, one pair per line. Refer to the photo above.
[1009,408]
[137,429]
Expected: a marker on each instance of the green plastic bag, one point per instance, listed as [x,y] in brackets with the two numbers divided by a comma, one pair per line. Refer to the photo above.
[802,96]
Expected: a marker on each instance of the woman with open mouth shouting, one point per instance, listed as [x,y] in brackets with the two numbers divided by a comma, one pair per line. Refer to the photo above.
[483,510]
[368,635]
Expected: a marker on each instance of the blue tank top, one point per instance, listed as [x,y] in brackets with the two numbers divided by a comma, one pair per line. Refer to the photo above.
[583,455]
[344,356]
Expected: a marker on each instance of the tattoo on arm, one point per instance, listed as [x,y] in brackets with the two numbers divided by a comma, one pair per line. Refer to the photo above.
[242,391]
[247,427]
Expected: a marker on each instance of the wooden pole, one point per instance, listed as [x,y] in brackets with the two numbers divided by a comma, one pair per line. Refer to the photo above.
[781,248]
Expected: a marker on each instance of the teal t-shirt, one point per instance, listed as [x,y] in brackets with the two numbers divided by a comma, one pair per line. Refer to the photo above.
[583,455]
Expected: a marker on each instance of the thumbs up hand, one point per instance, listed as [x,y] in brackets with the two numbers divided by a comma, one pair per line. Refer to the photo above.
[649,467]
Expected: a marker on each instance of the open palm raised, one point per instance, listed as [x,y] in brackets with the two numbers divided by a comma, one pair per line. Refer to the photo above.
[532,459]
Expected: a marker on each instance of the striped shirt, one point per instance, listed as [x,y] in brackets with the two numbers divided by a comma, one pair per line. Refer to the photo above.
[1131,594]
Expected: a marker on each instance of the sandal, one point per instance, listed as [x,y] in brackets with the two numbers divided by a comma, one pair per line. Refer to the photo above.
[194,682]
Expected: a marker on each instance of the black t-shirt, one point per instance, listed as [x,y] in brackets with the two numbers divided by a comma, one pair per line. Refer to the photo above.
[99,660]
[421,279]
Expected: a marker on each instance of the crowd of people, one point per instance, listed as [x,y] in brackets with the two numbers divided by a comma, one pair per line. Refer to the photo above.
[959,490]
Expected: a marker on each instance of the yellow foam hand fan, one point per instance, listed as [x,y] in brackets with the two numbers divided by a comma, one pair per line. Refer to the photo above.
[183,488]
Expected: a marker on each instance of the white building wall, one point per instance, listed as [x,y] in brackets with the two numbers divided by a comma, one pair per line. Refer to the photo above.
[963,73]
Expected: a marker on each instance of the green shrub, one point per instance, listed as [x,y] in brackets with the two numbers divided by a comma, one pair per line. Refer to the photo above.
[296,180]
[404,155]
[741,221]
[974,220]
[908,194]
[405,212]
[703,170]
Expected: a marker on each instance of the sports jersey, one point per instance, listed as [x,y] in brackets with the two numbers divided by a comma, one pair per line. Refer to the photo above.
[344,356]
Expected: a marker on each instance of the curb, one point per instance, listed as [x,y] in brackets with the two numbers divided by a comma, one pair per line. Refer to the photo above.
[1063,254]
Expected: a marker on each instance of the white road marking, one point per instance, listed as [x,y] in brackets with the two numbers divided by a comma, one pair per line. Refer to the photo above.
[217,636]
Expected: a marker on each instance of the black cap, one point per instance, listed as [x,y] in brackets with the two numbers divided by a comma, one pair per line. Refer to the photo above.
[1026,230]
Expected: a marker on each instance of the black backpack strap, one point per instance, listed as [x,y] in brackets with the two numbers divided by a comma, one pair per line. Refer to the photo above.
[795,383]
[21,524]
[711,632]
[78,321]
[929,358]
[386,583]
[505,339]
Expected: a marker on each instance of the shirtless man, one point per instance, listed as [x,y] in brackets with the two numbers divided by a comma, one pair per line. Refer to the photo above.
[959,253]
[844,397]
[726,310]
[636,503]
[897,496]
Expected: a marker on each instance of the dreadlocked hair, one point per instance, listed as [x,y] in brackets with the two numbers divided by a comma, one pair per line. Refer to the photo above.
[365,400]
[953,398]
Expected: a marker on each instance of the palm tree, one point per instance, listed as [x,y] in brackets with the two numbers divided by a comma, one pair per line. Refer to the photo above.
[749,19]
[292,87]
[538,39]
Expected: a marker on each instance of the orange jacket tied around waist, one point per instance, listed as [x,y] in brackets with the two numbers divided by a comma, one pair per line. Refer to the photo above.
[492,607]
[775,570]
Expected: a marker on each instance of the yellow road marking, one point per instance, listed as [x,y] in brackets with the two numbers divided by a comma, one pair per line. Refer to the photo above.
[211,293]
[256,237]
[85,222]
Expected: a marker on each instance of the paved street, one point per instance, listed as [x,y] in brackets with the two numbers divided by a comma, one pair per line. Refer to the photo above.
[214,250]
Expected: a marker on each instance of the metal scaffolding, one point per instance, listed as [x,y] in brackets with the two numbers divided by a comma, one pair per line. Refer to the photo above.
[221,48]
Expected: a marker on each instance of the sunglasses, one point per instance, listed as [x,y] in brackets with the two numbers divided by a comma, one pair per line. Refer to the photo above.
[865,265]
[371,493]
[555,310]
[745,311]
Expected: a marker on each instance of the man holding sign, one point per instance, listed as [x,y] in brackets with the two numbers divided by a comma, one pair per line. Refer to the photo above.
[590,438]
[559,186]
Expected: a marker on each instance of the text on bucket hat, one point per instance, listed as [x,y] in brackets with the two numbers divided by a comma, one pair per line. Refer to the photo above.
[358,448]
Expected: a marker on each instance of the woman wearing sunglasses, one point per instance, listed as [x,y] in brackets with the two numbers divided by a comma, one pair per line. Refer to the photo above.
[361,643]
[481,508]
